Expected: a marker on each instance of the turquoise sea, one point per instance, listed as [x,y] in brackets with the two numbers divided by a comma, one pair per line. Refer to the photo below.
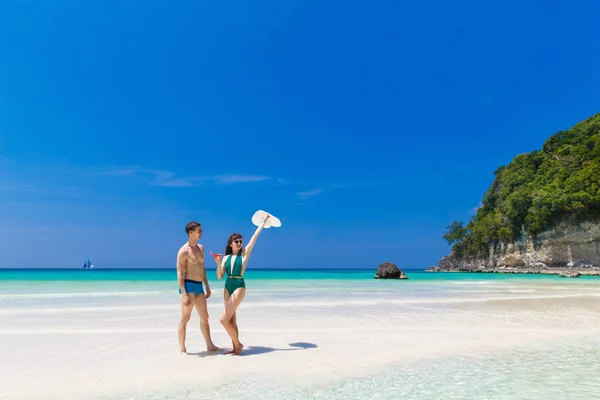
[481,336]
[287,283]
[119,284]
[155,274]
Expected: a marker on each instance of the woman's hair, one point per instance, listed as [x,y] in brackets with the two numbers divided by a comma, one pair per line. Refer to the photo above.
[228,249]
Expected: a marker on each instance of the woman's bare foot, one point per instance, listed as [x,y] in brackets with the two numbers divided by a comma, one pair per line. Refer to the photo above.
[239,349]
[212,348]
[234,348]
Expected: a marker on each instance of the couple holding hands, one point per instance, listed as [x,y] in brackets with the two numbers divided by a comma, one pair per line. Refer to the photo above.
[194,287]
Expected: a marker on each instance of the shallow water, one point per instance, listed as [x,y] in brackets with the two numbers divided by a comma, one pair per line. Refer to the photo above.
[309,334]
[564,371]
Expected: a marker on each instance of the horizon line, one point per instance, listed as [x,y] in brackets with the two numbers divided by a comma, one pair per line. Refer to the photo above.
[207,269]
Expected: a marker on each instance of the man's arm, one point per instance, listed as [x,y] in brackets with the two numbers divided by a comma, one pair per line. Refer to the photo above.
[181,264]
[204,274]
[205,277]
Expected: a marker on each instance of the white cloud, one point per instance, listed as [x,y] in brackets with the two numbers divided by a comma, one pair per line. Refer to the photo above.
[227,179]
[169,179]
[310,193]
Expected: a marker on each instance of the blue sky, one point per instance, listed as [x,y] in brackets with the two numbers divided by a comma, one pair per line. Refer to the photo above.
[366,127]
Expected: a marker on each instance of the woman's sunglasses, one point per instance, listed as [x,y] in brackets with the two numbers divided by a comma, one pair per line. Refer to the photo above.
[237,241]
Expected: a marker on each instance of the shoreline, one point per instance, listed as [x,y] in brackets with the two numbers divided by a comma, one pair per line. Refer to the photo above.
[564,272]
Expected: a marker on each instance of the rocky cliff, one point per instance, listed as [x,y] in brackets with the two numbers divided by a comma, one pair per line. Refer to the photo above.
[541,214]
[567,250]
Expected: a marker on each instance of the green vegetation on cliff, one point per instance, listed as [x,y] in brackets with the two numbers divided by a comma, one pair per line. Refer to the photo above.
[537,191]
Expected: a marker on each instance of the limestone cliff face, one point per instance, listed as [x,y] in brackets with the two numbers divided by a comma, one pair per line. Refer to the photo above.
[561,250]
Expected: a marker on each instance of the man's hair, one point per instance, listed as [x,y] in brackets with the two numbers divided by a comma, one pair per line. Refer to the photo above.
[191,226]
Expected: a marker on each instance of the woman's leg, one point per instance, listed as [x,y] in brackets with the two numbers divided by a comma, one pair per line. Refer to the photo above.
[233,322]
[225,298]
[231,305]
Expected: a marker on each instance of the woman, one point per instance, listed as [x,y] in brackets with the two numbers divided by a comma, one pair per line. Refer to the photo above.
[234,264]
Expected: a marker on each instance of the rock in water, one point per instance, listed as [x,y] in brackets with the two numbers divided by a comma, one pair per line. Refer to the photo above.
[388,270]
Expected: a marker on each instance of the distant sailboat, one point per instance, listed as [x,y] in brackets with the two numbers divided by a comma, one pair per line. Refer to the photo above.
[88,264]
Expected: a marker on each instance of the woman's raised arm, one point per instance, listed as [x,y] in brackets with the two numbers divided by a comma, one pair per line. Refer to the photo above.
[250,244]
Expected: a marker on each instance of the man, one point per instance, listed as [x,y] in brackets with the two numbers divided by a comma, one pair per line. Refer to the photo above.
[191,276]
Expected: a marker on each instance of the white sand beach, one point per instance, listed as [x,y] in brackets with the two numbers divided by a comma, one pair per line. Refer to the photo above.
[299,338]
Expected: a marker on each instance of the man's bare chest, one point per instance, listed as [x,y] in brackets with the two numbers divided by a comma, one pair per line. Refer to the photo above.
[195,256]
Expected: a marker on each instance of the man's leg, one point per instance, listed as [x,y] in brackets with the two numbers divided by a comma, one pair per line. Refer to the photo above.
[201,308]
[186,312]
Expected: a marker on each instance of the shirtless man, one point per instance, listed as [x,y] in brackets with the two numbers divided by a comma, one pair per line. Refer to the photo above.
[190,276]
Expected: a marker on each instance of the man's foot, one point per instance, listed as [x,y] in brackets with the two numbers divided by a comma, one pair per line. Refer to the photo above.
[212,348]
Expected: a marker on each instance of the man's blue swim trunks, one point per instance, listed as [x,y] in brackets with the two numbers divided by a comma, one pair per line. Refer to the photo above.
[193,287]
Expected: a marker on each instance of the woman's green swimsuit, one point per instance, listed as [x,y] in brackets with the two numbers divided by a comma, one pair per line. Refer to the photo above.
[234,278]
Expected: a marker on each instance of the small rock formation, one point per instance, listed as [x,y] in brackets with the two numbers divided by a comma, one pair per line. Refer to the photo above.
[388,270]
